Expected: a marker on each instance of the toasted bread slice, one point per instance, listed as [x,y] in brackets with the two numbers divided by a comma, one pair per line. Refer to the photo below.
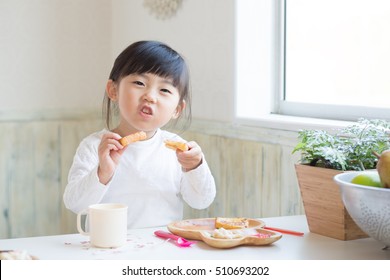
[16,255]
[231,223]
[138,136]
[175,145]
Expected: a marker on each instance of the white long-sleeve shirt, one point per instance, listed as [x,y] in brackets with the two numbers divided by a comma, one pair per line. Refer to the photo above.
[148,178]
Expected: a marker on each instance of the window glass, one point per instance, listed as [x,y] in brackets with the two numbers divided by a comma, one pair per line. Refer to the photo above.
[337,52]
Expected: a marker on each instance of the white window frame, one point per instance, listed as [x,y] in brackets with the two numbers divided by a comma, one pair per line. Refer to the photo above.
[264,105]
[336,112]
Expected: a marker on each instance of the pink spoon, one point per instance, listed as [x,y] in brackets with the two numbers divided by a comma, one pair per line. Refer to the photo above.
[181,242]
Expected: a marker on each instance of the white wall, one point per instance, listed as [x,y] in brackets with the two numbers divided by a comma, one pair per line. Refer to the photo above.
[203,32]
[54,54]
[57,54]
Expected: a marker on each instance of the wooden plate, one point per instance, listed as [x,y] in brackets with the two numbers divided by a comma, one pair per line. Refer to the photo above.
[193,228]
[249,239]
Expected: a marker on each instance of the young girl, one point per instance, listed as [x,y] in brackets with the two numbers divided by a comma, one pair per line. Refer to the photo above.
[148,86]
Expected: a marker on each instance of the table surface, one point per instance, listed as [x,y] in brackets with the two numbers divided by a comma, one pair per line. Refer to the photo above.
[142,244]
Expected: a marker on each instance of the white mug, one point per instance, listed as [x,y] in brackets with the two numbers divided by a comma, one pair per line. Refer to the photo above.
[107,224]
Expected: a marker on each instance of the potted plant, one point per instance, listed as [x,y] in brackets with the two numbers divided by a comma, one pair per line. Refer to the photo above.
[324,155]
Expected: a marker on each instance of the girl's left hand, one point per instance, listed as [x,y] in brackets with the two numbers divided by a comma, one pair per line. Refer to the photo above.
[192,158]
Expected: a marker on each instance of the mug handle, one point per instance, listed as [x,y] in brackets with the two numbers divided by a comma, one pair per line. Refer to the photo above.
[79,228]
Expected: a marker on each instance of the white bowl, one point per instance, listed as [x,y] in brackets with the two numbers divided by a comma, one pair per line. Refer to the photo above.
[368,206]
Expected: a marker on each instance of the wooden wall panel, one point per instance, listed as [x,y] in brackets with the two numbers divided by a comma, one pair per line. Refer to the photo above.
[34,161]
[254,179]
[45,178]
[31,178]
[71,134]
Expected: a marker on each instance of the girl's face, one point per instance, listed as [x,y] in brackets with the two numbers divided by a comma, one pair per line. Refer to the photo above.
[146,102]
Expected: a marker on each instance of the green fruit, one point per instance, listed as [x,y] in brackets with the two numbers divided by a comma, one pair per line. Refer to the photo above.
[372,180]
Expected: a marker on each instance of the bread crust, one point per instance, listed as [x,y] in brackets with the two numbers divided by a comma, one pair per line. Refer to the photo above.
[138,136]
[175,145]
[231,223]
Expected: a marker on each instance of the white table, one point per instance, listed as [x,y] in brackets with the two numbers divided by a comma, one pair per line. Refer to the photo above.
[143,245]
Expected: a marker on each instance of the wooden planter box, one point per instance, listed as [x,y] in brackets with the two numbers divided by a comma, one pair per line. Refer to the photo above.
[324,209]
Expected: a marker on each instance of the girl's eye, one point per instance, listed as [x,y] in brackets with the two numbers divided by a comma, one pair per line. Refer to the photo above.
[166,90]
[139,83]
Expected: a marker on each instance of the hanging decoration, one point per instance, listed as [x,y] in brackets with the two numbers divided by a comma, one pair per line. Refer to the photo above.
[163,9]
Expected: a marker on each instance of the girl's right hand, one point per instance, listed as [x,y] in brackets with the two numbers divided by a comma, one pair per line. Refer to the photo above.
[110,151]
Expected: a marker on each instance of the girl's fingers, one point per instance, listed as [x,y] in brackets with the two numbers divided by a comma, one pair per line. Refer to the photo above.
[110,141]
[192,145]
[192,158]
[110,151]
[111,135]
[194,149]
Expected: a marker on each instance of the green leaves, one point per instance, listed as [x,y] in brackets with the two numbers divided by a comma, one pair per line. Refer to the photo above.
[347,149]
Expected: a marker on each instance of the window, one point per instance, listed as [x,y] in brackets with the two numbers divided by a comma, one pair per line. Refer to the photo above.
[336,59]
[312,58]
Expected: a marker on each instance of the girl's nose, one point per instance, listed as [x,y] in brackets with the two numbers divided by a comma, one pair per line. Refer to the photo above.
[150,96]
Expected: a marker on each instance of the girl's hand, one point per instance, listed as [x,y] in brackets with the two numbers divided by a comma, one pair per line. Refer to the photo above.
[109,151]
[192,158]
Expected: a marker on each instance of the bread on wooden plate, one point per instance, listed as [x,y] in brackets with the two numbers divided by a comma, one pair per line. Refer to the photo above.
[222,233]
[138,136]
[231,223]
[16,255]
[175,145]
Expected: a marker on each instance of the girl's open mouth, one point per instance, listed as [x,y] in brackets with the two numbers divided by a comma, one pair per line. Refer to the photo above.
[147,110]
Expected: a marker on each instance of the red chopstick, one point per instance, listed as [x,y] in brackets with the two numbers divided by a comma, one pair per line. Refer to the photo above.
[286,231]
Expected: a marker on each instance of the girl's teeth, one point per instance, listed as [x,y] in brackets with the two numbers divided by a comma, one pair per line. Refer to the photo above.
[146,111]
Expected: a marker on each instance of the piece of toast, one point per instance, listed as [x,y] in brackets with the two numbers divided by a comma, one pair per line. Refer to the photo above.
[175,145]
[138,136]
[231,223]
[16,255]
